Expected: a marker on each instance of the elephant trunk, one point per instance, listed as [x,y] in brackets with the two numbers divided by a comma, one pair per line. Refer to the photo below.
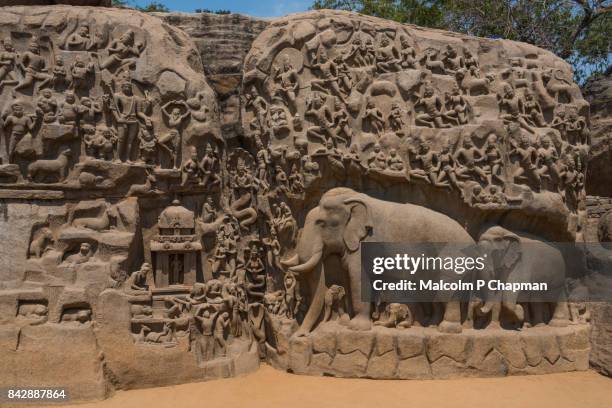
[290,262]
[314,260]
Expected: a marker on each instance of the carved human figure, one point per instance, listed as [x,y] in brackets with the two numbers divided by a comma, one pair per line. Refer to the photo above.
[122,51]
[220,334]
[259,105]
[59,73]
[321,116]
[99,142]
[342,128]
[327,74]
[452,60]
[293,298]
[148,145]
[457,106]
[532,112]
[395,118]
[34,67]
[83,255]
[470,61]
[427,165]
[394,161]
[296,180]
[209,210]
[432,116]
[377,159]
[576,128]
[46,106]
[493,160]
[80,40]
[374,117]
[8,64]
[547,160]
[204,344]
[191,170]
[287,80]
[128,110]
[210,167]
[80,74]
[17,125]
[446,167]
[387,56]
[407,54]
[468,159]
[345,79]
[263,163]
[527,158]
[88,110]
[68,111]
[138,279]
[511,108]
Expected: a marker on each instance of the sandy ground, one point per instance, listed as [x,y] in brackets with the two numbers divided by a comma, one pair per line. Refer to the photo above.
[271,388]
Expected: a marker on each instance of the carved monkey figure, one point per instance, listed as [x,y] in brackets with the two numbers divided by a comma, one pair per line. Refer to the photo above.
[334,302]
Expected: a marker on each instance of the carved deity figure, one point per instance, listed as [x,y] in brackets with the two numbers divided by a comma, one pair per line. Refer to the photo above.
[80,40]
[343,131]
[457,106]
[80,74]
[452,60]
[327,74]
[321,117]
[532,112]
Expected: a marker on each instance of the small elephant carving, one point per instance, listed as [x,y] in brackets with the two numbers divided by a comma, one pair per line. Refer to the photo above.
[334,303]
[398,315]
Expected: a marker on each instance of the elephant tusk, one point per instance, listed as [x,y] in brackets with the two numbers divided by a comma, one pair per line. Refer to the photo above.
[293,261]
[487,307]
[308,265]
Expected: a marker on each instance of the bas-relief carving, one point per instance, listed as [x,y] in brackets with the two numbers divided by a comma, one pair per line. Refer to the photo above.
[219,247]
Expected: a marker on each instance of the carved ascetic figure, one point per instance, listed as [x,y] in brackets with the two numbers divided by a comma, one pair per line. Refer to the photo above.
[344,219]
[128,112]
[8,64]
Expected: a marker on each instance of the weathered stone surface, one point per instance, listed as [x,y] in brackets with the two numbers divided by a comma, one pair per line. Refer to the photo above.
[161,174]
[100,3]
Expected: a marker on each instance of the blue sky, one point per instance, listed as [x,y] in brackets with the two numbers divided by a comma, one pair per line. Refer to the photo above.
[259,8]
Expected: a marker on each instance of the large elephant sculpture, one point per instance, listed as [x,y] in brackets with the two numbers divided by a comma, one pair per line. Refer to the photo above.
[524,258]
[340,223]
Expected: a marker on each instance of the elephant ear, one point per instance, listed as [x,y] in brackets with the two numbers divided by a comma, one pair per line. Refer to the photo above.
[358,224]
[513,250]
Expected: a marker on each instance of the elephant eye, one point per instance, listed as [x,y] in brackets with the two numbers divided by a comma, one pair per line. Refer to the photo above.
[320,223]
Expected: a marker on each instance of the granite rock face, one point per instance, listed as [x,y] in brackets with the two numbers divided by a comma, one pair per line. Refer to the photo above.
[223,41]
[598,91]
[187,195]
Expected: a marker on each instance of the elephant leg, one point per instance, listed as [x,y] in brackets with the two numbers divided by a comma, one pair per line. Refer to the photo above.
[452,318]
[537,313]
[316,305]
[561,314]
[362,319]
[328,308]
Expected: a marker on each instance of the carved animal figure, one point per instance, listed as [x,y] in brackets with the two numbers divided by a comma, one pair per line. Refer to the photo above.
[45,168]
[99,223]
[142,189]
[39,245]
[344,219]
[472,85]
[334,302]
[398,315]
[523,258]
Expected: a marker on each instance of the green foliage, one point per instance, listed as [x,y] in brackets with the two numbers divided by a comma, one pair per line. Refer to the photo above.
[427,13]
[213,11]
[119,3]
[154,7]
[576,30]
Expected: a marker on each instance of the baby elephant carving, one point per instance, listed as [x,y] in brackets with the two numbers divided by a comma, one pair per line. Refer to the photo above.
[334,303]
[398,315]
